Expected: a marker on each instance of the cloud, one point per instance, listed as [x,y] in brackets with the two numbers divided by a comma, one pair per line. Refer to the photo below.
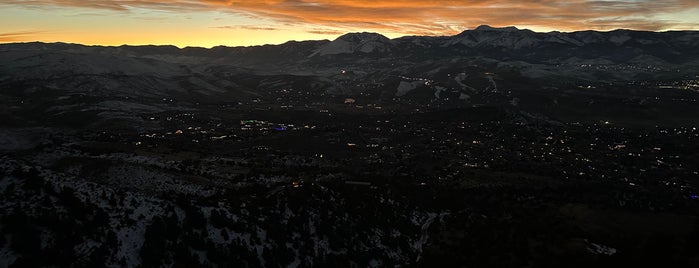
[325,31]
[247,27]
[436,17]
[17,36]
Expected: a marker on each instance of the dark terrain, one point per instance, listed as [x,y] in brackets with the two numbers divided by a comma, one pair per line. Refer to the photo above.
[496,147]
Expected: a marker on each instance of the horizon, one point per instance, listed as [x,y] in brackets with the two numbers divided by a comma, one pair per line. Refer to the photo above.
[332,39]
[209,23]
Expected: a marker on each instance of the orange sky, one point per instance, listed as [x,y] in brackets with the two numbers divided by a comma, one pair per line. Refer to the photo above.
[234,22]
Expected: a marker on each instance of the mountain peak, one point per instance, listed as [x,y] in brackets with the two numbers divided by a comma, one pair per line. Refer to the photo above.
[362,37]
[490,28]
[356,42]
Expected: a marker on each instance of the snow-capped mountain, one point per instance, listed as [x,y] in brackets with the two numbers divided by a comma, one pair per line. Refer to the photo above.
[484,35]
[356,42]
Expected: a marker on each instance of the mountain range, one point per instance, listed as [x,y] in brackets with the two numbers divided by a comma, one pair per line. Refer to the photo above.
[527,67]
[495,147]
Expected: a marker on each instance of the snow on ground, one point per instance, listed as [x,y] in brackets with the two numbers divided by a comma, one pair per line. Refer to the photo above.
[459,78]
[601,249]
[418,245]
[130,233]
[439,91]
[6,255]
[493,87]
[405,87]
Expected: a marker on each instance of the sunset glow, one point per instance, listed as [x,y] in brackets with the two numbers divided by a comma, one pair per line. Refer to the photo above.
[210,23]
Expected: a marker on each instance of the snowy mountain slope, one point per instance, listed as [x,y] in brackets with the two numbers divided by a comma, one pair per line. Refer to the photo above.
[356,42]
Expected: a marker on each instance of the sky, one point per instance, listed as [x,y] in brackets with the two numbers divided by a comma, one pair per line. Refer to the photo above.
[208,23]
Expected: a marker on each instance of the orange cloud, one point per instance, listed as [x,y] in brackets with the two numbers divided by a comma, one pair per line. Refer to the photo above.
[247,27]
[16,36]
[424,17]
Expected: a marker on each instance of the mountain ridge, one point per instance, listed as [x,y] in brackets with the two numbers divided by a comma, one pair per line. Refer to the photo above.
[474,67]
[481,28]
[507,43]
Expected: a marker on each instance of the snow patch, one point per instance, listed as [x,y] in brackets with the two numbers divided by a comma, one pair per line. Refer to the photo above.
[601,249]
[405,87]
